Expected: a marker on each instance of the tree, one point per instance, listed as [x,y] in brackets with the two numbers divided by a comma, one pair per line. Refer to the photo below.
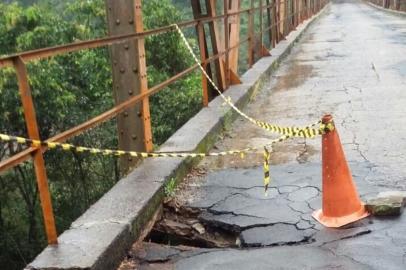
[166,56]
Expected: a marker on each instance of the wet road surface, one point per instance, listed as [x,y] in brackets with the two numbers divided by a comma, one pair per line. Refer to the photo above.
[350,63]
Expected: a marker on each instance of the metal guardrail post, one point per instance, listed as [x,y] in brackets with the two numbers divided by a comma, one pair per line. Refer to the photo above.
[216,47]
[234,27]
[282,18]
[216,44]
[269,22]
[251,35]
[39,163]
[201,35]
[261,27]
[286,18]
[129,79]
[263,51]
[276,25]
[142,70]
[226,43]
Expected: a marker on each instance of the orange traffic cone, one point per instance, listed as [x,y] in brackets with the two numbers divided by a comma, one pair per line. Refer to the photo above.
[341,203]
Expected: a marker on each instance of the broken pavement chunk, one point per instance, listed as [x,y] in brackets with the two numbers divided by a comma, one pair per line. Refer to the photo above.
[385,206]
[393,193]
[199,228]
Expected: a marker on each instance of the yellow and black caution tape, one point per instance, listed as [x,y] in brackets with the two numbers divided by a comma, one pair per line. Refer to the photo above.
[291,131]
[267,175]
[308,132]
[110,152]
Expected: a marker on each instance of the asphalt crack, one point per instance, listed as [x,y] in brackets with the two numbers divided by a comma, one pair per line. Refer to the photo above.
[344,237]
[345,256]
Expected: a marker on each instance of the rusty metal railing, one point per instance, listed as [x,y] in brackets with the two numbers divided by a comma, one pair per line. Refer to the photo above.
[399,5]
[282,17]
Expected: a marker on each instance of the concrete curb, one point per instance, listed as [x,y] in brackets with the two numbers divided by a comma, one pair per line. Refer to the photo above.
[390,11]
[101,236]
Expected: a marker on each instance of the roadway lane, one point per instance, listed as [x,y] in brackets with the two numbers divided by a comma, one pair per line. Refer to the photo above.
[350,63]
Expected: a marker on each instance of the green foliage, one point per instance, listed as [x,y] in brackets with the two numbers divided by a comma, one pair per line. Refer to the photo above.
[67,90]
[172,107]
[170,188]
[167,46]
[182,100]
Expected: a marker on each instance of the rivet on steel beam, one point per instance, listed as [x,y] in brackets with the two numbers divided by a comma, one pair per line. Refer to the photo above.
[126,46]
[117,21]
[125,114]
[122,70]
[130,92]
[130,159]
[139,113]
[115,62]
[130,21]
[135,70]
[134,137]
[122,131]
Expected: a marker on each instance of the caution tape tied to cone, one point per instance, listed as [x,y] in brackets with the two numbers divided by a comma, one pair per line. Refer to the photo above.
[109,152]
[292,131]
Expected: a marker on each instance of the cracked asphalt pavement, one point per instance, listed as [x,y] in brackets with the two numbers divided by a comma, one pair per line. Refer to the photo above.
[350,63]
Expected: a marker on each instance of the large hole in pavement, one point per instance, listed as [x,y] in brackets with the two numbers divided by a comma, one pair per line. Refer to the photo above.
[179,225]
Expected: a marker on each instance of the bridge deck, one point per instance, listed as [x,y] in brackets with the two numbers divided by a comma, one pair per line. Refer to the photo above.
[351,63]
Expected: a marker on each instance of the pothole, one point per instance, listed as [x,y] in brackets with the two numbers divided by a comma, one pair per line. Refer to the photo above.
[180,226]
[227,211]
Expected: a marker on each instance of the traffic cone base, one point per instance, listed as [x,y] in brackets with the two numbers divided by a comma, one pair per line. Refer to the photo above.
[335,222]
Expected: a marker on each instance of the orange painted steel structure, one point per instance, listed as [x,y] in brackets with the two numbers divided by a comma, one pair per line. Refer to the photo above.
[292,16]
[399,5]
[129,71]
